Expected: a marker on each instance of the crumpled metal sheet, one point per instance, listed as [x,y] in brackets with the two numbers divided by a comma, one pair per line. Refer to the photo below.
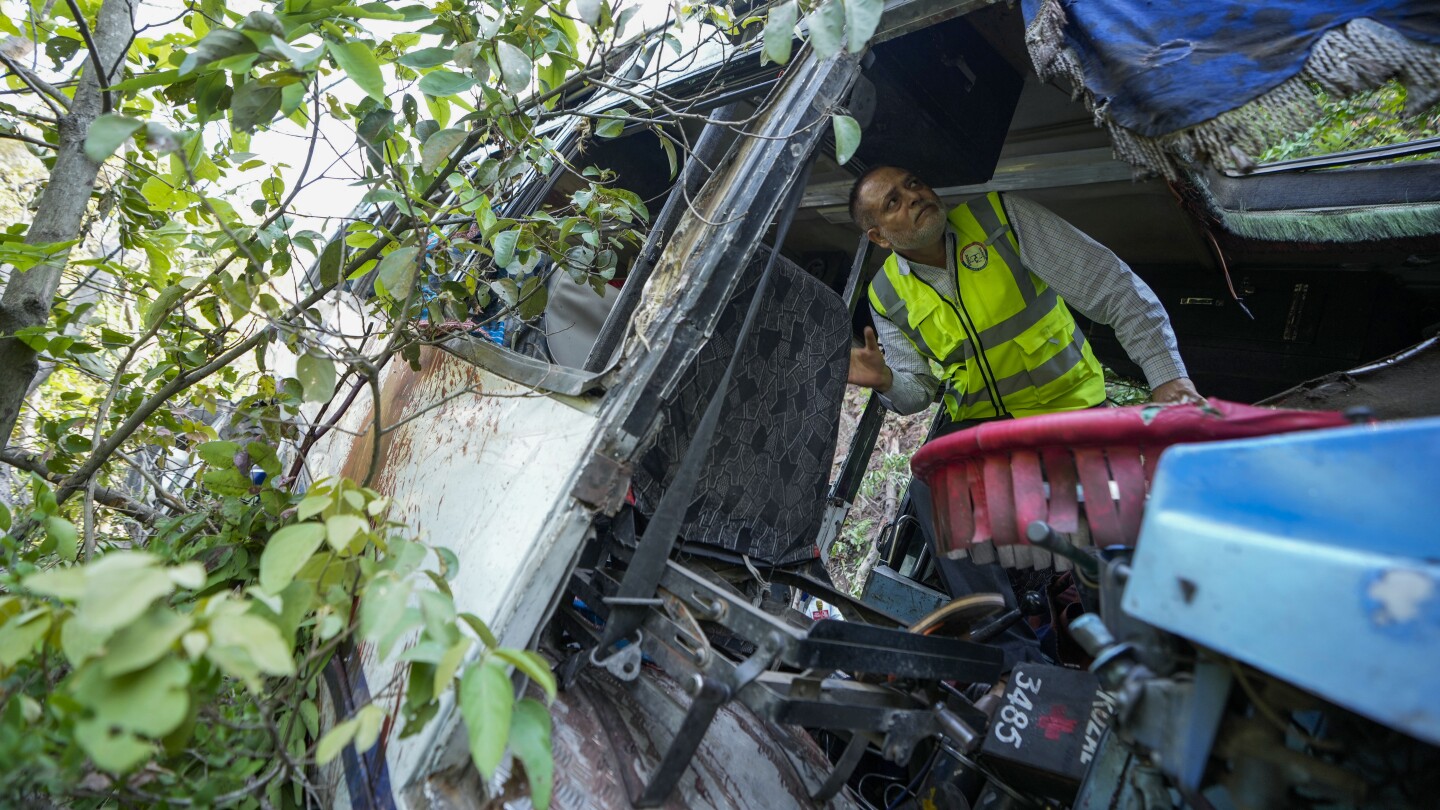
[608,736]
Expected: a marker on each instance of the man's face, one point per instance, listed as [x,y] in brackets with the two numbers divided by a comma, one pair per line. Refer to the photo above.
[906,212]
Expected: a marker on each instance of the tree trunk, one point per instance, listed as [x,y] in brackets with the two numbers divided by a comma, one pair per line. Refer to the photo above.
[29,296]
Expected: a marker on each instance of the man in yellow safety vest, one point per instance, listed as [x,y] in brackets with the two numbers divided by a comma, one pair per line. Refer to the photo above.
[976,300]
[982,295]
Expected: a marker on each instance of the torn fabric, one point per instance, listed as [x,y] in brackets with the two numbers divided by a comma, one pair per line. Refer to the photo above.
[1217,82]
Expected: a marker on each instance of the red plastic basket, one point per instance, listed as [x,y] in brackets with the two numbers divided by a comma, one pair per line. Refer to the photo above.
[990,482]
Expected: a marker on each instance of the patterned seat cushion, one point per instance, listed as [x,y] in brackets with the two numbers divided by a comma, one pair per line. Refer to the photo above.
[762,489]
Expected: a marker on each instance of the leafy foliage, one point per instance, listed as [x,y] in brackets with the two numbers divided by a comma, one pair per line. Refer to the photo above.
[1121,390]
[193,667]
[174,582]
[1376,118]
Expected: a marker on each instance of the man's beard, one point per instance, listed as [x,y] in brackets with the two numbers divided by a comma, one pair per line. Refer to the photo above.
[922,237]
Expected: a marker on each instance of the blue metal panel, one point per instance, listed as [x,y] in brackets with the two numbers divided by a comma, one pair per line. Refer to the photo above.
[1312,556]
[900,597]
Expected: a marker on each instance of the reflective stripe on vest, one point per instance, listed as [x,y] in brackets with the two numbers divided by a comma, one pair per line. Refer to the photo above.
[1013,315]
[997,236]
[1044,374]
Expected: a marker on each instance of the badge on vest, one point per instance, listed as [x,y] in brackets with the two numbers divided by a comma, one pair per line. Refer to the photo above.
[975,256]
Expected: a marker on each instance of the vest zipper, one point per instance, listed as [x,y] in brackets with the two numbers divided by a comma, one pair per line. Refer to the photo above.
[986,373]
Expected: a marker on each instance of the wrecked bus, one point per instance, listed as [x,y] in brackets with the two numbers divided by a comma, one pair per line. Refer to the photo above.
[642,493]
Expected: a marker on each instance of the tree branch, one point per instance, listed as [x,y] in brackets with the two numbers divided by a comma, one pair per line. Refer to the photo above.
[35,117]
[15,136]
[30,462]
[56,100]
[160,492]
[106,102]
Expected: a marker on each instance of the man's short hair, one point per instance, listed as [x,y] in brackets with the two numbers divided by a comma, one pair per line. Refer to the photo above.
[862,219]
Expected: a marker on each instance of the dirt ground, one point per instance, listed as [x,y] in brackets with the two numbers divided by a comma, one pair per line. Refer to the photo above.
[881,490]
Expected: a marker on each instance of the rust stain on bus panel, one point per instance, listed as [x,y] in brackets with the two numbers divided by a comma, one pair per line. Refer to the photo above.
[398,400]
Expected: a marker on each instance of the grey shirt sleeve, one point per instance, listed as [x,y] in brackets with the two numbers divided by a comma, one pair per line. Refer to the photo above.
[914,386]
[1099,285]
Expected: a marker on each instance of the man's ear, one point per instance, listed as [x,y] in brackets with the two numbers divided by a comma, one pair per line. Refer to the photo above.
[874,236]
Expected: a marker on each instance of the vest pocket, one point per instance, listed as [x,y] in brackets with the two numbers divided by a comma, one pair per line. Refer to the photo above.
[1045,338]
[1045,360]
[927,319]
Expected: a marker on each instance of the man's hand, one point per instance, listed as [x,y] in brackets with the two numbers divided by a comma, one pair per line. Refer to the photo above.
[867,365]
[1179,391]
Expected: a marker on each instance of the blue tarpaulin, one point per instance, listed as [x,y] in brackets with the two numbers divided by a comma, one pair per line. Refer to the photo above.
[1163,66]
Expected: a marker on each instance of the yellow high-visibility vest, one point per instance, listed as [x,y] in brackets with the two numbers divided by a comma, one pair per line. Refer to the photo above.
[1009,344]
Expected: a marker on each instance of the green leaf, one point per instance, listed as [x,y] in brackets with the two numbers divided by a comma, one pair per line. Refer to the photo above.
[861,19]
[80,642]
[335,741]
[533,666]
[611,127]
[287,552]
[107,133]
[189,575]
[153,701]
[109,337]
[449,562]
[19,636]
[218,454]
[119,587]
[438,147]
[503,246]
[439,612]
[229,482]
[669,154]
[358,61]
[310,715]
[330,263]
[263,456]
[258,639]
[426,58]
[263,21]
[315,502]
[481,629]
[397,271]
[533,297]
[111,749]
[61,583]
[444,83]
[589,11]
[341,529]
[530,740]
[780,32]
[487,700]
[827,28]
[144,642]
[382,611]
[195,643]
[145,80]
[382,196]
[254,104]
[63,533]
[157,309]
[317,377]
[449,663]
[515,66]
[367,727]
[219,44]
[847,137]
